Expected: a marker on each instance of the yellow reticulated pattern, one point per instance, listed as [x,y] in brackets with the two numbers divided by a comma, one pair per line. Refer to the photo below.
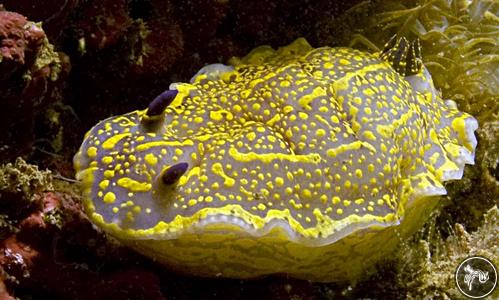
[308,162]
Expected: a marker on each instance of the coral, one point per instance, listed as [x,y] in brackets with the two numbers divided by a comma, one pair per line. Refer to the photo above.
[31,79]
[19,42]
[52,13]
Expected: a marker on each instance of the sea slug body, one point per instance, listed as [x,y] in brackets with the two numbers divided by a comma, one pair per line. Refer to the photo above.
[307,162]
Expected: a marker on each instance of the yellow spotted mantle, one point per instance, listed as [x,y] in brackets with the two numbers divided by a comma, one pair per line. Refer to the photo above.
[308,162]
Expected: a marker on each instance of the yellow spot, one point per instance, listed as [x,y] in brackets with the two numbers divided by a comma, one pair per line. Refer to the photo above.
[109,197]
[313,158]
[335,119]
[307,193]
[150,145]
[333,152]
[368,92]
[369,135]
[287,109]
[344,61]
[134,185]
[184,178]
[218,169]
[92,152]
[251,136]
[328,65]
[359,201]
[151,159]
[320,132]
[104,184]
[219,114]
[112,141]
[109,174]
[348,184]
[274,119]
[107,160]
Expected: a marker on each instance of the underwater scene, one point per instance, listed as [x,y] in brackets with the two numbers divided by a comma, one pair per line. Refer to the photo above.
[230,149]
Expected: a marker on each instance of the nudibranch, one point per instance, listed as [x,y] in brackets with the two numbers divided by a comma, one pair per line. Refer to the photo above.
[310,162]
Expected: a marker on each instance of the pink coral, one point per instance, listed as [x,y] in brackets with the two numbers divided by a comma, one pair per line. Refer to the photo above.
[54,14]
[19,41]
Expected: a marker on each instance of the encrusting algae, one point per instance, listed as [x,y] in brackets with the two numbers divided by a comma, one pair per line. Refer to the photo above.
[426,268]
[302,161]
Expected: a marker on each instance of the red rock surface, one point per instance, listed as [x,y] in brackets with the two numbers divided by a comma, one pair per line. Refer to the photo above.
[30,79]
[42,255]
[19,42]
[53,13]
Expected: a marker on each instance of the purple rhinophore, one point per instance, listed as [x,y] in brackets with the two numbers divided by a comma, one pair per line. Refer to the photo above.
[158,105]
[173,173]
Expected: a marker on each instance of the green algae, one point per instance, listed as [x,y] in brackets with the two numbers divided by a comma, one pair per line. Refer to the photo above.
[23,180]
[20,183]
[46,57]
